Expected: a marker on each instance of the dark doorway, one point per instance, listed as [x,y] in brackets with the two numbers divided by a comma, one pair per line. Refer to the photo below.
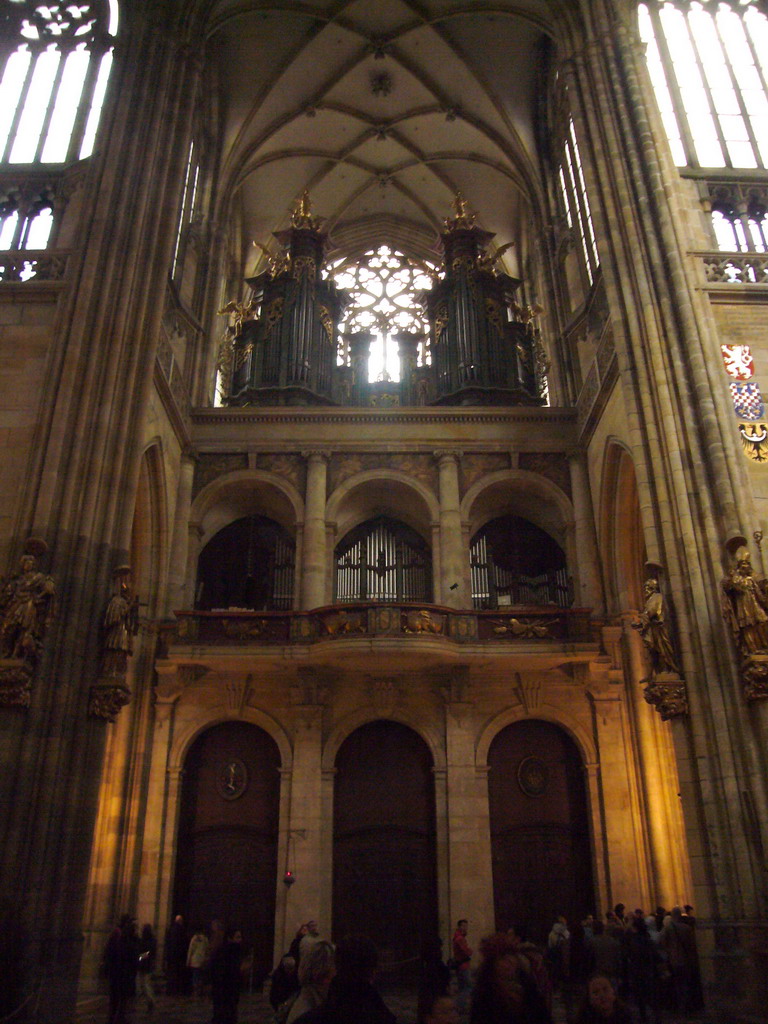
[227,847]
[542,864]
[384,879]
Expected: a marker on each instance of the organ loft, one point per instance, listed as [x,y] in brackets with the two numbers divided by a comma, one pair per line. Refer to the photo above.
[384,474]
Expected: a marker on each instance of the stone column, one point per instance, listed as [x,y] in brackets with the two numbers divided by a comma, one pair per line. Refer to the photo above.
[451,588]
[627,867]
[469,838]
[589,592]
[177,562]
[313,577]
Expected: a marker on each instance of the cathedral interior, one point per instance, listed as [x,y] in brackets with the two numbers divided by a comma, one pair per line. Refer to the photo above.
[384,474]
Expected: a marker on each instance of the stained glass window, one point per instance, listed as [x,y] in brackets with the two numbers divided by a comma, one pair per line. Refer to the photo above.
[383,287]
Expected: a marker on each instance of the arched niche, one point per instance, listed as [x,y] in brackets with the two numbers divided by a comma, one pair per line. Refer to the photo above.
[243,493]
[226,862]
[540,828]
[621,533]
[521,493]
[149,529]
[378,491]
[250,563]
[384,839]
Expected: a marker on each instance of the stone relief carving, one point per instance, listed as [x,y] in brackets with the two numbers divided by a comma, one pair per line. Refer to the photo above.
[552,465]
[476,466]
[210,466]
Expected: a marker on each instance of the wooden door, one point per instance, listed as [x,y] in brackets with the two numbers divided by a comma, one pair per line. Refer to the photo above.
[384,879]
[542,864]
[227,844]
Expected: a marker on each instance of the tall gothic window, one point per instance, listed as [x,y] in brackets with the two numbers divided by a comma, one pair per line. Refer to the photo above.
[573,193]
[383,287]
[187,212]
[708,62]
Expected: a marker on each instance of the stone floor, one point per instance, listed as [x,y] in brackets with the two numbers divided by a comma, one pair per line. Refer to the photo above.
[255,1009]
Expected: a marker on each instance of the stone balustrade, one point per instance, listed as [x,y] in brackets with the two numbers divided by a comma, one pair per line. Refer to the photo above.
[541,626]
[734,267]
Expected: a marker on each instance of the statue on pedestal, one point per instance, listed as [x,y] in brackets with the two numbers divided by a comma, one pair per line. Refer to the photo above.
[120,625]
[664,688]
[27,606]
[654,632]
[744,602]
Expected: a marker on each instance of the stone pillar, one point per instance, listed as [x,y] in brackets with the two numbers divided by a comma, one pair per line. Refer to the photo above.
[589,592]
[177,562]
[627,868]
[305,824]
[470,892]
[313,576]
[451,589]
[359,352]
[671,873]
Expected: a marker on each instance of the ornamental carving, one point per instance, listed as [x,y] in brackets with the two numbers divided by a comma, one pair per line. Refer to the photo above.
[475,467]
[27,607]
[552,465]
[290,467]
[343,466]
[15,683]
[106,702]
[669,698]
[209,467]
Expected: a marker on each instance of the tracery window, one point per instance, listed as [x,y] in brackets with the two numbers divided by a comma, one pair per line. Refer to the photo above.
[573,194]
[735,232]
[383,287]
[54,81]
[708,61]
[383,560]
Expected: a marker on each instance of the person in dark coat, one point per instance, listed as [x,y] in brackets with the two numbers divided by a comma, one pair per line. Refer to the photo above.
[643,966]
[147,949]
[176,945]
[121,959]
[352,998]
[285,981]
[226,961]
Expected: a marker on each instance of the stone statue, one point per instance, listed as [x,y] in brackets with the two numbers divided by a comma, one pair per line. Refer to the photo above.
[654,631]
[745,605]
[27,606]
[121,624]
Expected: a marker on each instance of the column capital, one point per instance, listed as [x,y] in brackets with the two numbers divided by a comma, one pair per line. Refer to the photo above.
[447,454]
[316,455]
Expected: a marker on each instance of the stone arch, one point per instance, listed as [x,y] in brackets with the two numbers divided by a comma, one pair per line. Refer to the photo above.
[620,528]
[523,493]
[547,713]
[374,491]
[362,716]
[206,718]
[149,529]
[242,493]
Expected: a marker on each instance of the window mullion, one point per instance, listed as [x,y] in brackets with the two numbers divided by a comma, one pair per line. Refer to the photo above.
[678,104]
[63,55]
[708,93]
[84,107]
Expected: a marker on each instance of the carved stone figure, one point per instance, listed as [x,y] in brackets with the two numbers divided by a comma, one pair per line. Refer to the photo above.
[121,624]
[654,631]
[27,606]
[745,605]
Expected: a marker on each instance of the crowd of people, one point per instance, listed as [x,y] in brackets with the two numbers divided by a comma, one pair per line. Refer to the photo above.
[596,968]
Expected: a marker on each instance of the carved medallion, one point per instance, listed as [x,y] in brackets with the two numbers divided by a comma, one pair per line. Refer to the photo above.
[231,780]
[533,776]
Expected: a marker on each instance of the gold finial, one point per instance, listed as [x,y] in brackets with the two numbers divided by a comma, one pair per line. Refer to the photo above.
[302,214]
[462,218]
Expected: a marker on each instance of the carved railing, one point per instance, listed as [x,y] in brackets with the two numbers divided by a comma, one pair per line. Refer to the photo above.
[19,265]
[528,624]
[734,267]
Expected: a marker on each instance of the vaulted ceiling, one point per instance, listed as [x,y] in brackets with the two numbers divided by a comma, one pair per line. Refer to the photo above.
[383,110]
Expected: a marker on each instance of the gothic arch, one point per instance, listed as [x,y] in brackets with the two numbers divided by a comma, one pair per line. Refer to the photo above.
[620,528]
[349,723]
[149,531]
[374,491]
